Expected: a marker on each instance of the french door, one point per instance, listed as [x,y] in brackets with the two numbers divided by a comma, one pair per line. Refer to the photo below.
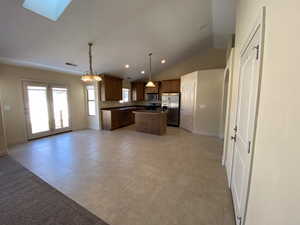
[46,109]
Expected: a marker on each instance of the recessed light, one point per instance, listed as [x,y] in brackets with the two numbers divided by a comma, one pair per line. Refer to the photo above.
[127,66]
[143,72]
[163,61]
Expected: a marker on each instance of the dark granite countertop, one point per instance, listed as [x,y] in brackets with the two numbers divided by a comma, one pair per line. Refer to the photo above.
[128,107]
[150,111]
[123,107]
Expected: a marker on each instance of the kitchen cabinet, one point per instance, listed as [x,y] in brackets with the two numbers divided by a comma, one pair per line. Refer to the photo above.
[111,88]
[137,91]
[152,122]
[119,117]
[153,90]
[170,86]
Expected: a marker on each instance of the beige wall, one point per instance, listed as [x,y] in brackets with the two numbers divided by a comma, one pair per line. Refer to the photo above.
[209,102]
[208,59]
[275,184]
[12,95]
[206,106]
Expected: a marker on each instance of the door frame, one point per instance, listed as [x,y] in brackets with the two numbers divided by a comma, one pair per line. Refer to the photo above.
[3,151]
[225,96]
[228,68]
[259,25]
[52,130]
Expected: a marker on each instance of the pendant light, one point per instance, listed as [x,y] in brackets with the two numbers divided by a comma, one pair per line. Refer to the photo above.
[90,77]
[150,83]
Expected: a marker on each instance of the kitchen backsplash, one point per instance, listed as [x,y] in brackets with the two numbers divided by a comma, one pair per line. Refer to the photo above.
[108,104]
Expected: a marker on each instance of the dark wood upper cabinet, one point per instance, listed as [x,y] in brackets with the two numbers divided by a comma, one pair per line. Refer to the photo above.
[153,90]
[170,86]
[111,88]
[137,91]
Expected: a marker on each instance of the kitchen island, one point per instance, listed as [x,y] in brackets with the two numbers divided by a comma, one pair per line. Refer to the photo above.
[151,121]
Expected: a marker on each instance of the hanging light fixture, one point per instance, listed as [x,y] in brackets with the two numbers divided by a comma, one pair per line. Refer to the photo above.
[90,76]
[150,83]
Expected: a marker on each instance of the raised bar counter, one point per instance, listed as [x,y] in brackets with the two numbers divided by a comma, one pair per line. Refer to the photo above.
[151,121]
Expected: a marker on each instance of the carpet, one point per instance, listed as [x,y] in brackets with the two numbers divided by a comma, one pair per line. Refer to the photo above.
[25,199]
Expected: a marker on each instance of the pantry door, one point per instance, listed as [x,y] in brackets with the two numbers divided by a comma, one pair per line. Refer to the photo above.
[247,109]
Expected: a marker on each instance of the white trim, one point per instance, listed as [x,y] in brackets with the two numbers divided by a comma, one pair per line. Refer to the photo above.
[260,22]
[18,62]
[222,122]
[5,150]
[230,67]
[203,133]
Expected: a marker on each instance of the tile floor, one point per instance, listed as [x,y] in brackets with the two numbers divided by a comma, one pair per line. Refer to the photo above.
[131,178]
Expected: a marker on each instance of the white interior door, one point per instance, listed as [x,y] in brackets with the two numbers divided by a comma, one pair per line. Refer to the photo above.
[46,109]
[188,97]
[246,120]
[2,135]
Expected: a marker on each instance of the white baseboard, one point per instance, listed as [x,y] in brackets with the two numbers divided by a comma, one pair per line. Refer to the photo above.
[204,133]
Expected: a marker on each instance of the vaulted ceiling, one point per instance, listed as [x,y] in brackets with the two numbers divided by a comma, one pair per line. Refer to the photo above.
[123,32]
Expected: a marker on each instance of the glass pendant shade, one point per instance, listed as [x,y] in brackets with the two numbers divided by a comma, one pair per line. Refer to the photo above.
[90,78]
[150,84]
[97,78]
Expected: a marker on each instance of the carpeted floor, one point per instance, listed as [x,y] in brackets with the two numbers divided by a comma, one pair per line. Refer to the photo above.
[25,199]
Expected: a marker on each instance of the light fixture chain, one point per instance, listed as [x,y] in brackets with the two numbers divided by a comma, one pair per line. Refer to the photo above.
[90,58]
[150,67]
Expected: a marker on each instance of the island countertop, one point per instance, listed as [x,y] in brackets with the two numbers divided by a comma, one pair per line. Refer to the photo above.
[149,111]
[151,121]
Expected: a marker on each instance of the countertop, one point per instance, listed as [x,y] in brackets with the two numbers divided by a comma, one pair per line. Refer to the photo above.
[150,111]
[124,108]
[133,107]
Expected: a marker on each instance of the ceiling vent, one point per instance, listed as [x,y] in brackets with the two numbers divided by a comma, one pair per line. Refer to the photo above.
[70,64]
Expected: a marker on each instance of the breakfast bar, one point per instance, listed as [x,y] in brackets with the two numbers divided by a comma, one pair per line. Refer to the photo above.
[151,121]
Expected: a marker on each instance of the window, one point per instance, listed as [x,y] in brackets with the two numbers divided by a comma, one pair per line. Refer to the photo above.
[91,100]
[51,9]
[125,95]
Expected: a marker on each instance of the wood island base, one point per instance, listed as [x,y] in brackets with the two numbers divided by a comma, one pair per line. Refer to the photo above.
[152,122]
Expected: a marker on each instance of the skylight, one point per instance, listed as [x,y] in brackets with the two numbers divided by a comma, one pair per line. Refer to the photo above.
[52,9]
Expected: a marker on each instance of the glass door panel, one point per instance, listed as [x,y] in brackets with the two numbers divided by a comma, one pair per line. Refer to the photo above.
[60,108]
[38,107]
[46,109]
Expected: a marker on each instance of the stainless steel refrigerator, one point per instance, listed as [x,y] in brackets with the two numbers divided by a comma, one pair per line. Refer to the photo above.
[171,103]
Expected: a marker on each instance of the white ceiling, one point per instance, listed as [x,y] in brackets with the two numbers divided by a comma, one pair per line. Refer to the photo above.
[123,32]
